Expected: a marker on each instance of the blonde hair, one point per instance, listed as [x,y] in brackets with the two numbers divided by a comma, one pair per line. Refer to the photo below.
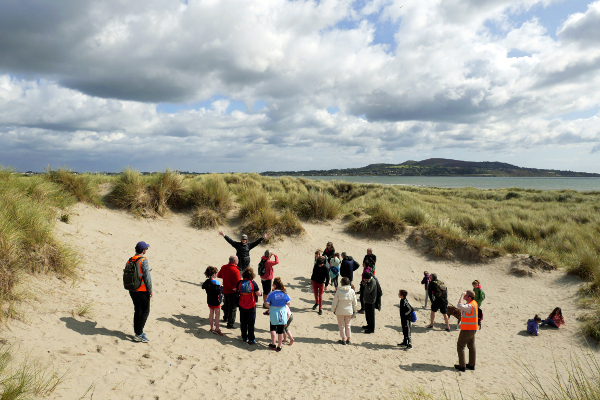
[267,253]
[475,282]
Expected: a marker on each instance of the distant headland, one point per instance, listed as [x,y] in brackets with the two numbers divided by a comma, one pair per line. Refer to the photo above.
[440,167]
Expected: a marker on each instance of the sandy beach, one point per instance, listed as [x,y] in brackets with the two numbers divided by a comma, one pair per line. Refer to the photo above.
[184,361]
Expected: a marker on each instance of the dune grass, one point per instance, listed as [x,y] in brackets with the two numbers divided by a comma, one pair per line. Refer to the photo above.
[83,187]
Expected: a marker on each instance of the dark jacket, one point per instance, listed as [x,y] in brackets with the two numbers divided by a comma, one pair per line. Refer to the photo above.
[320,275]
[242,251]
[329,253]
[405,310]
[213,292]
[432,289]
[371,257]
[347,267]
[372,293]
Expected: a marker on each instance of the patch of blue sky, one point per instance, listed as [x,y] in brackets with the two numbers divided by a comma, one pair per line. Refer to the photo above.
[580,114]
[333,110]
[551,16]
[514,53]
[259,105]
[174,108]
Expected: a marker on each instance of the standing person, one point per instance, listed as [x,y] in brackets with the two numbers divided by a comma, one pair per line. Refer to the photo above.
[344,306]
[319,281]
[249,294]
[277,301]
[438,294]
[369,260]
[405,311]
[267,278]
[555,318]
[468,329]
[213,298]
[243,248]
[334,269]
[348,266]
[425,282]
[231,276]
[479,297]
[286,330]
[372,299]
[142,295]
[329,251]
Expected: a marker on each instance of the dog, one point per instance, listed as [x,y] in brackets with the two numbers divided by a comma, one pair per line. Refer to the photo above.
[454,312]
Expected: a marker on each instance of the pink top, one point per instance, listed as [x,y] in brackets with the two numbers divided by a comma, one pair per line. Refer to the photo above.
[558,319]
[268,275]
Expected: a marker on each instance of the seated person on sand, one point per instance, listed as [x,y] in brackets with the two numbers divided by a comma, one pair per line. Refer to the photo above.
[555,318]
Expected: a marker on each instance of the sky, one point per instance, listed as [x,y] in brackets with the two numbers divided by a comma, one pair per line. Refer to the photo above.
[277,85]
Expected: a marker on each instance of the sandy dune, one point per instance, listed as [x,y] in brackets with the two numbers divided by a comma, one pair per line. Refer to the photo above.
[184,361]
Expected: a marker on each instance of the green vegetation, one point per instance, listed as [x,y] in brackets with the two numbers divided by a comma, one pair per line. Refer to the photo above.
[29,379]
[82,187]
[29,208]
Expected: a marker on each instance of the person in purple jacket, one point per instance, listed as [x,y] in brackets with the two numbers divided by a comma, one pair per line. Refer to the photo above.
[425,281]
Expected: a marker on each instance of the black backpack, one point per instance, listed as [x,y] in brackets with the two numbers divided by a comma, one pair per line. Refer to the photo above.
[132,280]
[262,266]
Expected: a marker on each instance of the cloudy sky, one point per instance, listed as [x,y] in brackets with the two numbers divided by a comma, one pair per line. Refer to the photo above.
[256,85]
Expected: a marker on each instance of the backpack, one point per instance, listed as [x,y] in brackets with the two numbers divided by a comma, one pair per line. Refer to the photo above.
[334,270]
[413,316]
[246,289]
[132,279]
[262,267]
[440,290]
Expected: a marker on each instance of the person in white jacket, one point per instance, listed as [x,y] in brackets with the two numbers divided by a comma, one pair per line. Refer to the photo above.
[344,306]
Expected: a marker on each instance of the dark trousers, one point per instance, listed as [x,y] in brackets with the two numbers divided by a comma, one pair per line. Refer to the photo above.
[406,331]
[243,263]
[229,308]
[370,316]
[466,339]
[334,281]
[247,319]
[141,306]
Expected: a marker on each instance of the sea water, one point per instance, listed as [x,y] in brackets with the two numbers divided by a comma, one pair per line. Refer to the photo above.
[579,184]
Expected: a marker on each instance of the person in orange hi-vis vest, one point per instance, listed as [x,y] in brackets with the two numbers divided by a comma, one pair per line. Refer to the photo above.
[141,296]
[468,329]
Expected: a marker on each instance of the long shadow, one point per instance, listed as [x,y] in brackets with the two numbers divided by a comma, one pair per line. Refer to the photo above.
[524,333]
[368,345]
[199,327]
[89,328]
[426,367]
[189,283]
[302,282]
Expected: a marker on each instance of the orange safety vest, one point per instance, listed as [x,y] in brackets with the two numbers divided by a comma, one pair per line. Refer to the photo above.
[468,322]
[142,287]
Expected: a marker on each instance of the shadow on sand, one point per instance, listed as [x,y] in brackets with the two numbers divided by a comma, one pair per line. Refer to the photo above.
[89,328]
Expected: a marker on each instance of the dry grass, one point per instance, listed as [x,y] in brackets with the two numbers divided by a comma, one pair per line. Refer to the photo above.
[82,187]
[206,218]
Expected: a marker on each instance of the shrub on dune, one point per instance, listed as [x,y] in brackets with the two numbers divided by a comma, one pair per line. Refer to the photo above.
[380,218]
[316,204]
[168,191]
[129,193]
[205,218]
[79,186]
[211,192]
[254,201]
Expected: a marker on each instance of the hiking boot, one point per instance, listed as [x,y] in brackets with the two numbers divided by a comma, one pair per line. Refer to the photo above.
[320,312]
[458,367]
[229,326]
[144,338]
[365,327]
[402,344]
[315,306]
[278,349]
[408,347]
[471,367]
[361,311]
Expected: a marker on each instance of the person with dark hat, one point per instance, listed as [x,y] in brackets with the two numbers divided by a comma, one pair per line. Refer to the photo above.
[142,295]
[372,299]
[243,248]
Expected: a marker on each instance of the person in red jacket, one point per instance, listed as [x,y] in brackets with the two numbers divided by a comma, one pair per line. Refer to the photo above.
[267,277]
[231,276]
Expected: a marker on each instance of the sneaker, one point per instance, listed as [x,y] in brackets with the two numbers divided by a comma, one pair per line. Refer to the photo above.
[365,327]
[342,342]
[278,349]
[144,338]
[137,338]
[368,331]
[458,367]
[320,312]
[315,306]
[402,344]
[244,340]
[408,347]
[361,311]
[471,367]
[251,342]
[229,326]
[272,346]
[348,341]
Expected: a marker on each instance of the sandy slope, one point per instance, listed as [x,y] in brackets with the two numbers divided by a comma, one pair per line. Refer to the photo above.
[184,361]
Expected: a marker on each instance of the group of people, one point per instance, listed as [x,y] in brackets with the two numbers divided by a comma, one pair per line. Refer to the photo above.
[239,290]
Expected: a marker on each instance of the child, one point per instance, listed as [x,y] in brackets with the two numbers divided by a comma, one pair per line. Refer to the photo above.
[425,281]
[405,311]
[249,294]
[555,318]
[277,300]
[286,330]
[479,297]
[334,269]
[532,325]
[213,298]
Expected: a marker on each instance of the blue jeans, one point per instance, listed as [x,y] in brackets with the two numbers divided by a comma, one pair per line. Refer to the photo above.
[550,322]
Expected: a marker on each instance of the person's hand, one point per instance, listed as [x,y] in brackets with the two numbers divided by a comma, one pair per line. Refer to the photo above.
[151,295]
[266,235]
[463,294]
[221,233]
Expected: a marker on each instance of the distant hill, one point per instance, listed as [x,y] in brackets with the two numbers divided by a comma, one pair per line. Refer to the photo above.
[439,167]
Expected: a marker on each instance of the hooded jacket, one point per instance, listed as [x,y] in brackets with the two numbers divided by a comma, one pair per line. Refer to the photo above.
[344,301]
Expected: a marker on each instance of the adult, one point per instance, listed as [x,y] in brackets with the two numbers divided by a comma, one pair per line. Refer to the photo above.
[267,278]
[348,266]
[329,251]
[277,301]
[468,329]
[438,294]
[142,295]
[319,281]
[344,306]
[372,299]
[243,248]
[369,260]
[231,276]
[249,293]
